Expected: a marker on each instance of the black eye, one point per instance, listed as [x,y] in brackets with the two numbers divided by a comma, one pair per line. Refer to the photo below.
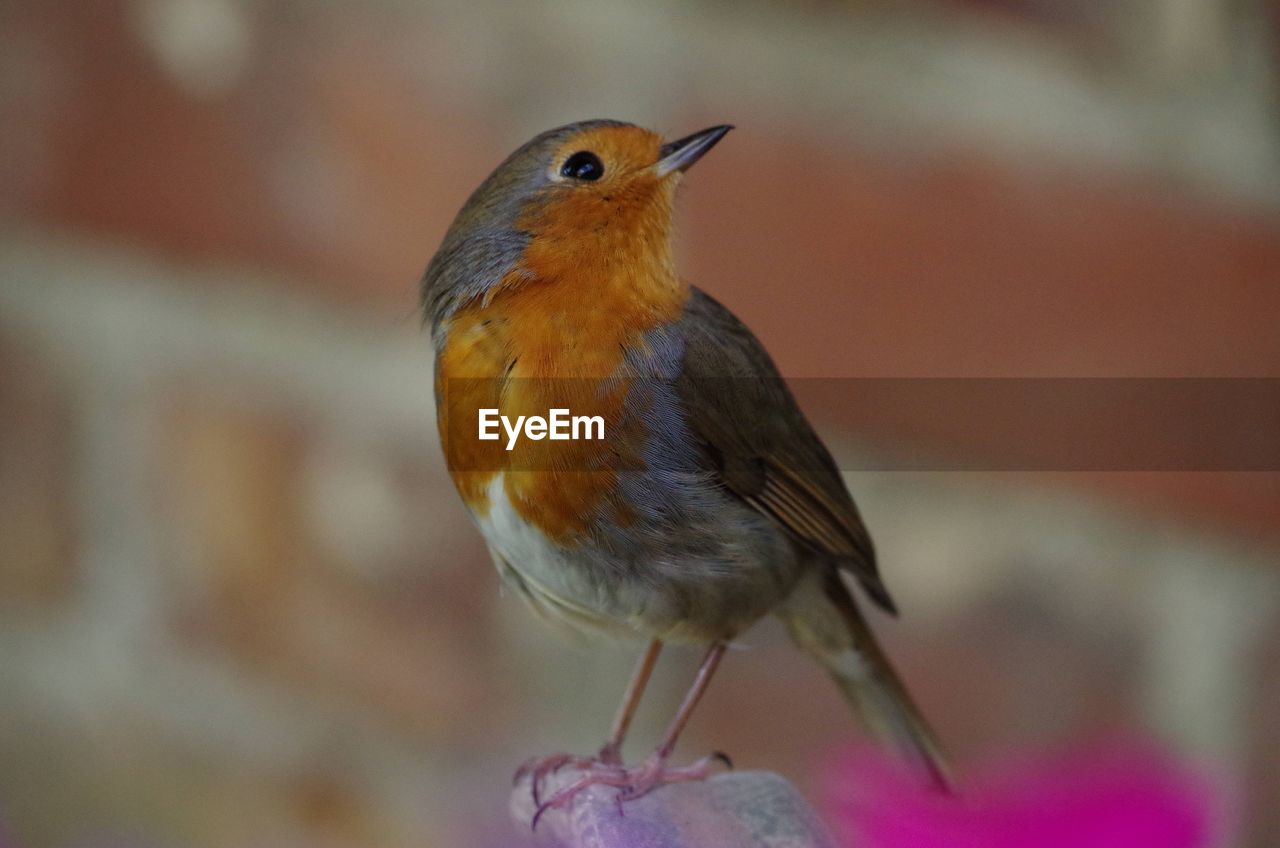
[583,165]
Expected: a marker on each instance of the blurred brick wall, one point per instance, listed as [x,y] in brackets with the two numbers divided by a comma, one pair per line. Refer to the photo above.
[240,602]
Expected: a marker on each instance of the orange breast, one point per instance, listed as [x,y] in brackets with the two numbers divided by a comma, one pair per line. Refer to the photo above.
[549,337]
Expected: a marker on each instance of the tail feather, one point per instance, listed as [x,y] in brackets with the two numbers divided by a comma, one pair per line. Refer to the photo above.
[825,621]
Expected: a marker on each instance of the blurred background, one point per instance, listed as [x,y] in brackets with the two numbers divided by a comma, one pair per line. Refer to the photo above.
[239,602]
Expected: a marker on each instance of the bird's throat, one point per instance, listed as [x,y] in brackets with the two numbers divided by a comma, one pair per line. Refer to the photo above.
[557,338]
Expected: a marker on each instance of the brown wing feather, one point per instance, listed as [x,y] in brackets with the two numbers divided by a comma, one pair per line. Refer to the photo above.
[761,446]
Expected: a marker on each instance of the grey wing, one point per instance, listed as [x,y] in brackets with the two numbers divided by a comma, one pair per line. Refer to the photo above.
[759,445]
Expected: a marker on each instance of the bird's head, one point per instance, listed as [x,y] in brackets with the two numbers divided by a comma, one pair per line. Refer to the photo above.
[593,197]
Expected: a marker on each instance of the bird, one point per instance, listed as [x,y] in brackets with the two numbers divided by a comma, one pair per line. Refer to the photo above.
[709,503]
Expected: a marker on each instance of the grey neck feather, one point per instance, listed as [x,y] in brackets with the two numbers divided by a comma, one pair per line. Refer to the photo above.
[483,244]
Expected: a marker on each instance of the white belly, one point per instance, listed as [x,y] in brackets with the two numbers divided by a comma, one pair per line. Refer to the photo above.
[543,572]
[639,586]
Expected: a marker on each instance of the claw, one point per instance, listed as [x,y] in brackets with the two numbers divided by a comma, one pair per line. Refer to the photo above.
[654,773]
[602,776]
[632,783]
[538,768]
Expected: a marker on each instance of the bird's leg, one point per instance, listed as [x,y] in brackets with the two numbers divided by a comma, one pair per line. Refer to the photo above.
[653,772]
[611,754]
[709,664]
[612,751]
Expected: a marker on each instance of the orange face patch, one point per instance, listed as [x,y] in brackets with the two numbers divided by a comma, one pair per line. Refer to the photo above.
[617,224]
[624,151]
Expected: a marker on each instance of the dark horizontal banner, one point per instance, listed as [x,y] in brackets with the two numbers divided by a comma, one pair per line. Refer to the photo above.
[907,424]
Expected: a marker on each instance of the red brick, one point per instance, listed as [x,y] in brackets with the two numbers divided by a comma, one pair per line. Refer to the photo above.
[325,161]
[410,646]
[854,265]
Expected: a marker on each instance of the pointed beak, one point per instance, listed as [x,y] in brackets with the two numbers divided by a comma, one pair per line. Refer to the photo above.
[678,155]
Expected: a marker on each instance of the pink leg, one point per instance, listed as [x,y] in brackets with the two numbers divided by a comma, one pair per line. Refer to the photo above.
[612,750]
[709,665]
[653,772]
[611,754]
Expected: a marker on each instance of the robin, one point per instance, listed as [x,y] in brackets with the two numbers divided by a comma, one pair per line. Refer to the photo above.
[708,503]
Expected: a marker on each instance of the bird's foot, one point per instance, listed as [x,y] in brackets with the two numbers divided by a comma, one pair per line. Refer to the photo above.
[538,768]
[632,783]
[655,772]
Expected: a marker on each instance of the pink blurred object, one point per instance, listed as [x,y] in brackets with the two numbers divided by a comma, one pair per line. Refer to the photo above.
[1117,796]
